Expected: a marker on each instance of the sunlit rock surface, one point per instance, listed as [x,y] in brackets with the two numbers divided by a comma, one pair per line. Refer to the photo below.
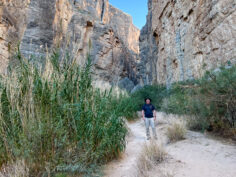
[183,38]
[78,27]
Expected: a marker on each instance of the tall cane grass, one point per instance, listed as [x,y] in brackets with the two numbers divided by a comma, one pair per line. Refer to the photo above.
[54,120]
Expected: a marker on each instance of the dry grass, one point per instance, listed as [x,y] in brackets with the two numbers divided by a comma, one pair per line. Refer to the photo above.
[151,155]
[176,131]
[17,169]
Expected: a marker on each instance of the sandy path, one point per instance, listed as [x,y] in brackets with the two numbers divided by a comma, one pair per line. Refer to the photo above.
[125,166]
[196,156]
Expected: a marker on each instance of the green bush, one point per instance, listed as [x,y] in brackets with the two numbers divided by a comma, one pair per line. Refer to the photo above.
[126,107]
[129,105]
[211,100]
[155,92]
[217,94]
[55,120]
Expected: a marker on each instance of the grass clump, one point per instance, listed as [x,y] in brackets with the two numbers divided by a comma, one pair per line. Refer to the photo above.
[55,121]
[16,169]
[150,156]
[176,131]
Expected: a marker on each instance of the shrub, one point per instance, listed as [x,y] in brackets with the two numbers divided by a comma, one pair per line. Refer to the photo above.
[217,94]
[155,92]
[125,107]
[128,105]
[210,100]
[150,156]
[176,131]
[179,97]
[54,119]
[197,123]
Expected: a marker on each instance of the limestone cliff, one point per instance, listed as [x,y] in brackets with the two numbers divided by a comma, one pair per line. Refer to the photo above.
[183,38]
[79,27]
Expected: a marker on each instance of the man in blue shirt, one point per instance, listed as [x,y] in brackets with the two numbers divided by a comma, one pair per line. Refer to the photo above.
[149,116]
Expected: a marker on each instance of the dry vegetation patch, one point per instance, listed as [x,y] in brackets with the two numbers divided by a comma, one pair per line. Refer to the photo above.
[151,155]
[16,169]
[176,131]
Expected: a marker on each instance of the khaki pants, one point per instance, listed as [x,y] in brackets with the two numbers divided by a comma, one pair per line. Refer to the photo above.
[150,122]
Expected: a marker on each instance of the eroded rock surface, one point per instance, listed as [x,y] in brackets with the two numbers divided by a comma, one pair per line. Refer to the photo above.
[79,27]
[183,38]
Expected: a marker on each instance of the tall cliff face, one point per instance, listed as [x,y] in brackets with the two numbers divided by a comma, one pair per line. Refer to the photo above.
[79,27]
[183,38]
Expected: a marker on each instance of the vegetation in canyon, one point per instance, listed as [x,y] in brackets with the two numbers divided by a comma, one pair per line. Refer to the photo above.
[176,131]
[209,100]
[151,155]
[53,120]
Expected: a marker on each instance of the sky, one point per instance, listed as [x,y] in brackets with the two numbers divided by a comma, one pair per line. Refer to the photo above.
[136,8]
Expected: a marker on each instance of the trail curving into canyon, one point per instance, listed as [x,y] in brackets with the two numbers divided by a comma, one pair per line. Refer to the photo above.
[196,156]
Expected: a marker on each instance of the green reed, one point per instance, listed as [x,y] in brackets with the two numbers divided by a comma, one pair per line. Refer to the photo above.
[54,119]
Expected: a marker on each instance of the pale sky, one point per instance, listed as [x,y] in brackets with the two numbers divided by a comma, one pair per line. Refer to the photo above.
[136,8]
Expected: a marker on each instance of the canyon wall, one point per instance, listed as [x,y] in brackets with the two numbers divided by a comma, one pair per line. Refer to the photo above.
[12,26]
[183,38]
[77,27]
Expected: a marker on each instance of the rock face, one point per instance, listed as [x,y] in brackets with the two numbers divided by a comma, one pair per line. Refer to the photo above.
[12,25]
[79,27]
[183,38]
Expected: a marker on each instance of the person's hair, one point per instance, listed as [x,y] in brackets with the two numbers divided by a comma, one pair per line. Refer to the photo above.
[147,99]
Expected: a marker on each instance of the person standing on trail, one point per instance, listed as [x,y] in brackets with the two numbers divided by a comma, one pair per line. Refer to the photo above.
[149,116]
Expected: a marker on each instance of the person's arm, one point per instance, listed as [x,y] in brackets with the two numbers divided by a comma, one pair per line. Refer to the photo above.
[143,115]
[154,114]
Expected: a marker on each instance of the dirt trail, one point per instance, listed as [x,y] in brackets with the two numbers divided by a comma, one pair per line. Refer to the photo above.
[196,156]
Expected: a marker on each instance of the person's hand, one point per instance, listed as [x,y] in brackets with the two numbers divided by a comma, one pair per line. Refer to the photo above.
[143,118]
[155,118]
